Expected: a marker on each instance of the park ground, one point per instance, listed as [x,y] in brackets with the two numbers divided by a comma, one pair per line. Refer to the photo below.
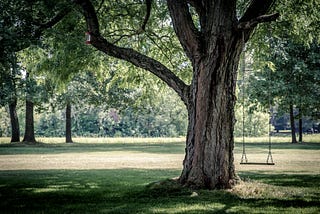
[128,175]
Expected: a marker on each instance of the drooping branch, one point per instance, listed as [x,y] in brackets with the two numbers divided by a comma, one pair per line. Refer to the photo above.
[130,55]
[187,33]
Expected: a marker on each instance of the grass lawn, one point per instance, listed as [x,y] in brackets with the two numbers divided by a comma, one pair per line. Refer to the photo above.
[113,176]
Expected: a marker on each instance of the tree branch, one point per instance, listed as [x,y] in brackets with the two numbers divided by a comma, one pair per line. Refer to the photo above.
[260,19]
[90,16]
[146,18]
[131,55]
[52,21]
[197,5]
[187,33]
[257,8]
[143,26]
[255,14]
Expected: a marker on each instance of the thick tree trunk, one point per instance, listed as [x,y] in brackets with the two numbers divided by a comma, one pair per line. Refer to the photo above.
[29,123]
[68,124]
[293,127]
[15,129]
[209,161]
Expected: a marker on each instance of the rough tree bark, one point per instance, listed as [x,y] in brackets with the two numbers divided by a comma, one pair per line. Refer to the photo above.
[68,124]
[214,49]
[15,130]
[208,161]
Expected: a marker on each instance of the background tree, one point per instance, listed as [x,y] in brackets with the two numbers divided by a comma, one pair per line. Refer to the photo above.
[60,57]
[37,90]
[10,80]
[291,80]
[298,25]
[22,23]
[273,53]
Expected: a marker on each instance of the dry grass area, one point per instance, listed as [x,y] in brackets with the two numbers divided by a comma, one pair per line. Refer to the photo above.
[286,161]
[93,153]
[146,153]
[90,160]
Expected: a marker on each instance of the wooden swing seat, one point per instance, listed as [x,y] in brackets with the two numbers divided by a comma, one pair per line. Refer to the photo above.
[256,163]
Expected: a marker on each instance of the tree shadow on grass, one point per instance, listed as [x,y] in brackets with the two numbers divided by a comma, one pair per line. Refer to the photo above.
[216,201]
[127,191]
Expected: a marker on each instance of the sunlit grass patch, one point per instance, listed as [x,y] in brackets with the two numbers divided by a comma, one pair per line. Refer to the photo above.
[312,138]
[307,138]
[4,140]
[126,140]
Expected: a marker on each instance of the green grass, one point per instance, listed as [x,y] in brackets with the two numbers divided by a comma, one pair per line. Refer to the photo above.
[291,186]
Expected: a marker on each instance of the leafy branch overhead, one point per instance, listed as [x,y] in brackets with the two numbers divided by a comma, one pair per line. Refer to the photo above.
[191,39]
[128,54]
[24,22]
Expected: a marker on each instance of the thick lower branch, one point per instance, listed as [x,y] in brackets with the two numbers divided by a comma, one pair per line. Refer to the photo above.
[257,8]
[255,21]
[146,63]
[187,33]
[130,55]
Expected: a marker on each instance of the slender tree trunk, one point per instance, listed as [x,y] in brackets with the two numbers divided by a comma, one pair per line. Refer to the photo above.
[15,129]
[293,127]
[29,124]
[300,130]
[68,124]
[300,126]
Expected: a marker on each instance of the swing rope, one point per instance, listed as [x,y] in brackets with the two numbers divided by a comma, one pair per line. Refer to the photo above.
[269,158]
[244,159]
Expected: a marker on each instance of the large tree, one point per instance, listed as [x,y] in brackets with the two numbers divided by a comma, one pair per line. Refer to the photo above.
[212,37]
